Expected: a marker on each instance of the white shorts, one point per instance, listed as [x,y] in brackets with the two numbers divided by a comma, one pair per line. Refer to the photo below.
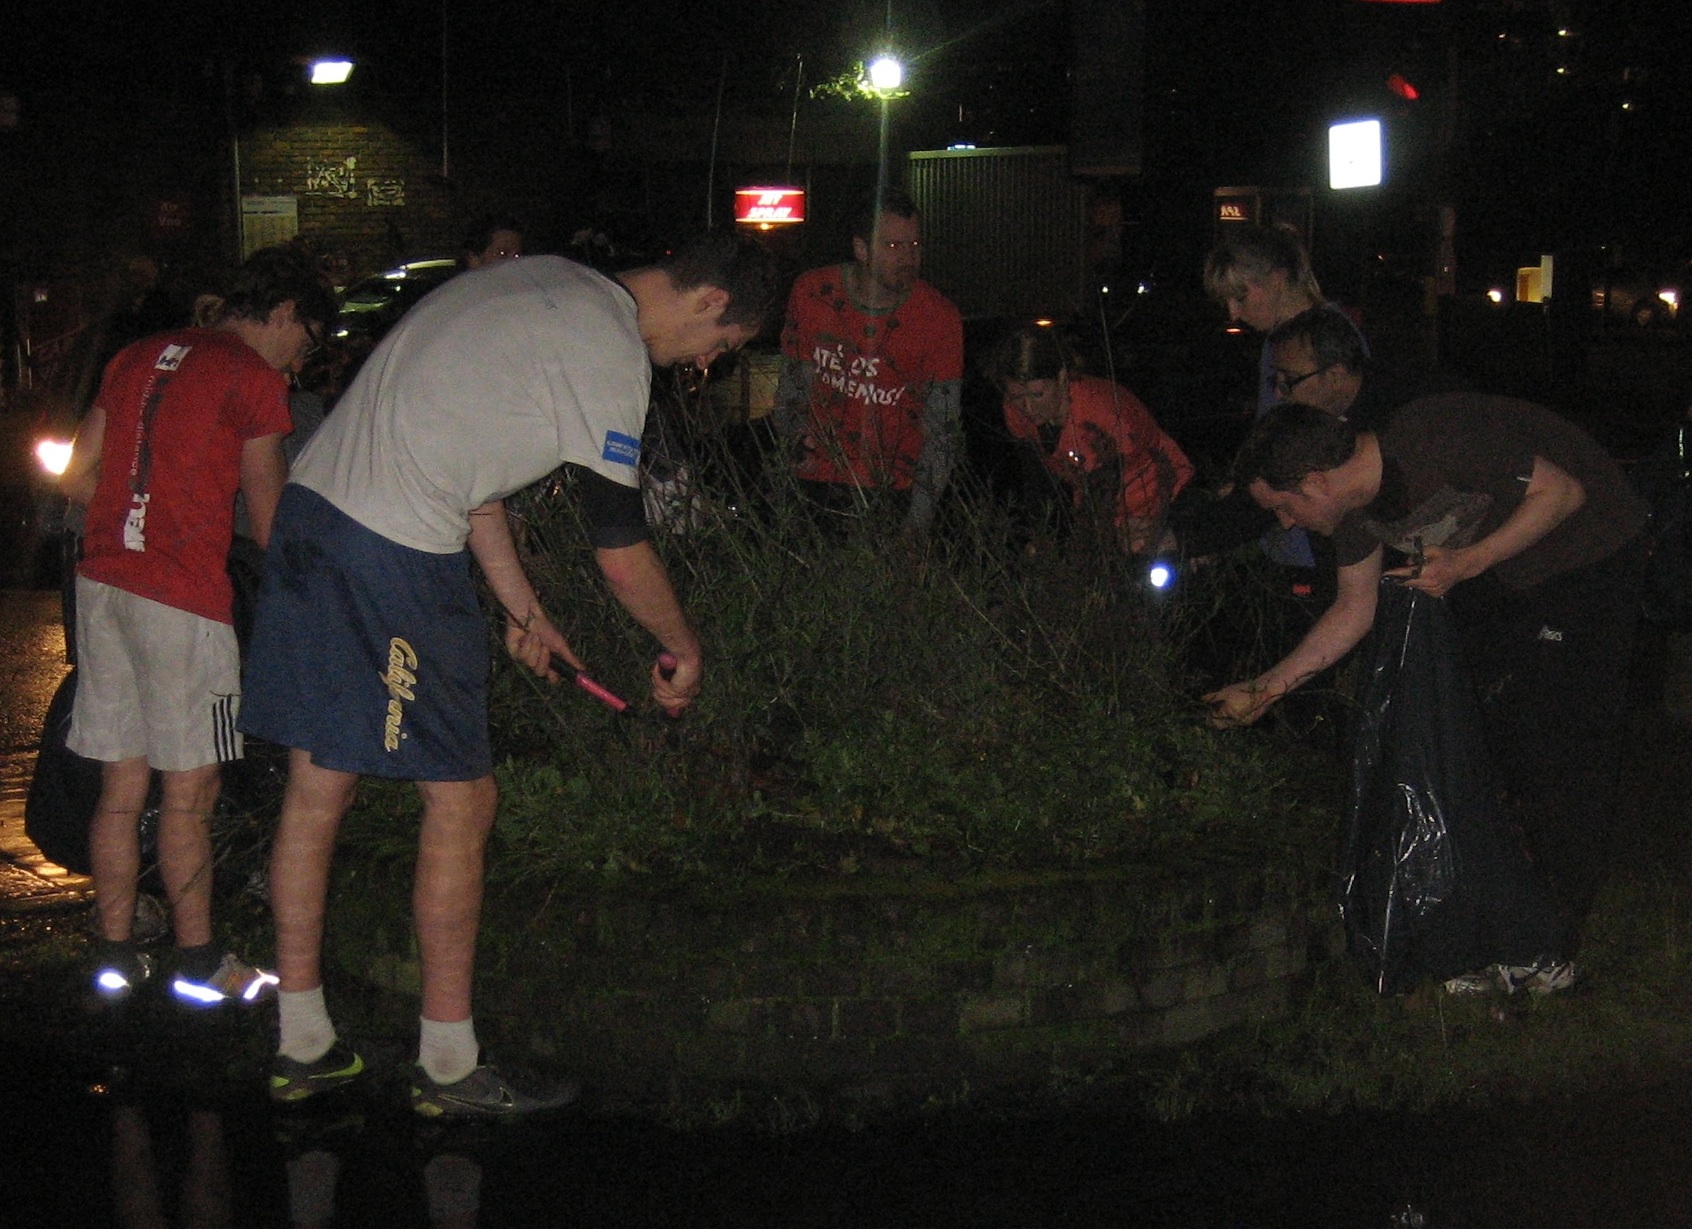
[152,681]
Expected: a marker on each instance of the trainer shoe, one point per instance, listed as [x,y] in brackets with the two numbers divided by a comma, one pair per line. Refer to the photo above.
[234,981]
[485,1093]
[119,973]
[1472,985]
[292,1080]
[1541,977]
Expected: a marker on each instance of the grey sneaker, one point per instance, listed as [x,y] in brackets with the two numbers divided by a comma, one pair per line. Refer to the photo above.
[485,1093]
[1541,977]
[1472,985]
[234,981]
[292,1080]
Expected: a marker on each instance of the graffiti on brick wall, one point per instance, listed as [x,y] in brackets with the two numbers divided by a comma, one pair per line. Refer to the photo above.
[336,179]
[384,192]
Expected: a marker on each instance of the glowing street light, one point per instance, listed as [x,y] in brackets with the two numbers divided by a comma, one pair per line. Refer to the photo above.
[886,75]
[330,72]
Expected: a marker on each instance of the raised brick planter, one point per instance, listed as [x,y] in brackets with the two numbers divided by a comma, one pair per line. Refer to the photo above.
[873,995]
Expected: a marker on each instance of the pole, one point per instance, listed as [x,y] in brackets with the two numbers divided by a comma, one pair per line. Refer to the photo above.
[716,127]
[793,125]
[446,165]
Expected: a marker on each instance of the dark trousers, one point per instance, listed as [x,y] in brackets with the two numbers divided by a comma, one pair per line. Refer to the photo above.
[1550,665]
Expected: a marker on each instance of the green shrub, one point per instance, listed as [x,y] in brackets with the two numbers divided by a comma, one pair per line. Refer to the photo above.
[978,698]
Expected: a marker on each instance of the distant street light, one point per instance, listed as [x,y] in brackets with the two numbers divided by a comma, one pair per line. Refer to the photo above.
[330,72]
[1354,154]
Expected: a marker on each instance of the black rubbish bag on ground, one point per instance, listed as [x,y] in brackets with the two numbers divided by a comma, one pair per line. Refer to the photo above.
[1437,883]
[64,791]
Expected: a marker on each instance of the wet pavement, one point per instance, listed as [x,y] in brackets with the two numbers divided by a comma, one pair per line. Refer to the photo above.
[107,1125]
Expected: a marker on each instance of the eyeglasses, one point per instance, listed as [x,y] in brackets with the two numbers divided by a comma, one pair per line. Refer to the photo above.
[1285,382]
[317,339]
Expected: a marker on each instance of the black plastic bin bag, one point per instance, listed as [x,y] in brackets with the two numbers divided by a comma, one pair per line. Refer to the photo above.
[1435,882]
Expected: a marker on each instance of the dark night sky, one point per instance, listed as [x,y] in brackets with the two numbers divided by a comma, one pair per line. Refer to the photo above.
[1236,90]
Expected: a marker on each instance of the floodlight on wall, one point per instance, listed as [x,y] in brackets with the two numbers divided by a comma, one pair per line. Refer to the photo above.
[330,72]
[1354,154]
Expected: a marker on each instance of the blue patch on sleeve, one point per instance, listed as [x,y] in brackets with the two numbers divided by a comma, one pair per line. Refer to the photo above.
[621,449]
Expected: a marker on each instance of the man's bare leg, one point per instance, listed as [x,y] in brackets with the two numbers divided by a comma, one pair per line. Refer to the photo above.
[185,850]
[114,844]
[313,805]
[447,890]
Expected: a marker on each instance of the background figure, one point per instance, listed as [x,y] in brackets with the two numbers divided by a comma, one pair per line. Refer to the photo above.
[495,238]
[872,370]
[1263,276]
[1092,435]
[182,421]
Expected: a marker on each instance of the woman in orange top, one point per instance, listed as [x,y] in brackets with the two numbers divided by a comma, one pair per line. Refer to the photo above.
[1086,429]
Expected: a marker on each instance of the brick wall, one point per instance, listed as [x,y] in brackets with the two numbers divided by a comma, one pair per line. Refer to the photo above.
[855,999]
[363,190]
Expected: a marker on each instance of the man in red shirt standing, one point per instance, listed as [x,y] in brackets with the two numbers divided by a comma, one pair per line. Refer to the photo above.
[183,420]
[872,368]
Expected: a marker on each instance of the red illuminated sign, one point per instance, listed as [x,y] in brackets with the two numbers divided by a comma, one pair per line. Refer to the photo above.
[769,206]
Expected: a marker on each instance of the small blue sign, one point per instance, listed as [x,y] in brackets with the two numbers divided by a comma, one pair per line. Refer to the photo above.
[621,449]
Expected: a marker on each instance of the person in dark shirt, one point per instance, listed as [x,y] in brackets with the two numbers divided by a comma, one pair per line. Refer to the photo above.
[1534,535]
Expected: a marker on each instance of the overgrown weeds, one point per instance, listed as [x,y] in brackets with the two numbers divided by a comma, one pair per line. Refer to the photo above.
[990,694]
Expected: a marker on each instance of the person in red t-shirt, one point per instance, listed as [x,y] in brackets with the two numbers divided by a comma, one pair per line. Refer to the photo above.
[872,368]
[1088,431]
[182,421]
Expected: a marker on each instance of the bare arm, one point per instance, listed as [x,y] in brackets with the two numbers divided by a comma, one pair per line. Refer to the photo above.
[1552,496]
[640,584]
[530,636]
[1332,636]
[82,472]
[264,471]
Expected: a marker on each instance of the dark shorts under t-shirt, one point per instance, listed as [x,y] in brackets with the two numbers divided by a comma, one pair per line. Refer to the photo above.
[370,655]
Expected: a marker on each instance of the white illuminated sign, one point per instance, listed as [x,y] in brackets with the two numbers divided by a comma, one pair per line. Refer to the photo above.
[1354,154]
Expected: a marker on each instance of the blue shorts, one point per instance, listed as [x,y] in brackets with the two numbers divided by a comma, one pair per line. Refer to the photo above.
[370,655]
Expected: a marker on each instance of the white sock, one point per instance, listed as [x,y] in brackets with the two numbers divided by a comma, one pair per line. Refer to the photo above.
[307,1032]
[447,1050]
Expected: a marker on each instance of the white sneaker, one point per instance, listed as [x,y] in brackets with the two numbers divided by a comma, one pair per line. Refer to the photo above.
[1541,977]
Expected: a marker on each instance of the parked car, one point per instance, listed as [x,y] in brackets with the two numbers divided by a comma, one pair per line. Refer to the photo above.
[373,305]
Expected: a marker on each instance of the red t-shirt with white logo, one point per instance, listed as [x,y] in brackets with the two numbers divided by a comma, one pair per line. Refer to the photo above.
[180,407]
[870,376]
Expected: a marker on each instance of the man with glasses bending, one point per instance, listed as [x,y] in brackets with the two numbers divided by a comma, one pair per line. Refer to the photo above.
[183,421]
[872,370]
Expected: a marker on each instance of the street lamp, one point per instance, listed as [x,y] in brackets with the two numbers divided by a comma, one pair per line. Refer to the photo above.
[330,72]
[886,74]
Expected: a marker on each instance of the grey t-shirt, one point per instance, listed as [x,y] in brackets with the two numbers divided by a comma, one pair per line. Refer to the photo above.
[491,382]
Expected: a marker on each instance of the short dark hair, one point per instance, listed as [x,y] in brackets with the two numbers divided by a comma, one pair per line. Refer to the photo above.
[1032,352]
[730,260]
[276,275]
[1290,443]
[873,204]
[1332,337]
[476,240]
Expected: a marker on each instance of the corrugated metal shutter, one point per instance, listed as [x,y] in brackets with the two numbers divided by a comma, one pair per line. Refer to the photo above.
[1004,230]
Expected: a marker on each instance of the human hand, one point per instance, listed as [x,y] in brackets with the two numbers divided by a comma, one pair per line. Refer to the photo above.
[1239,704]
[676,681]
[1437,573]
[533,641]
